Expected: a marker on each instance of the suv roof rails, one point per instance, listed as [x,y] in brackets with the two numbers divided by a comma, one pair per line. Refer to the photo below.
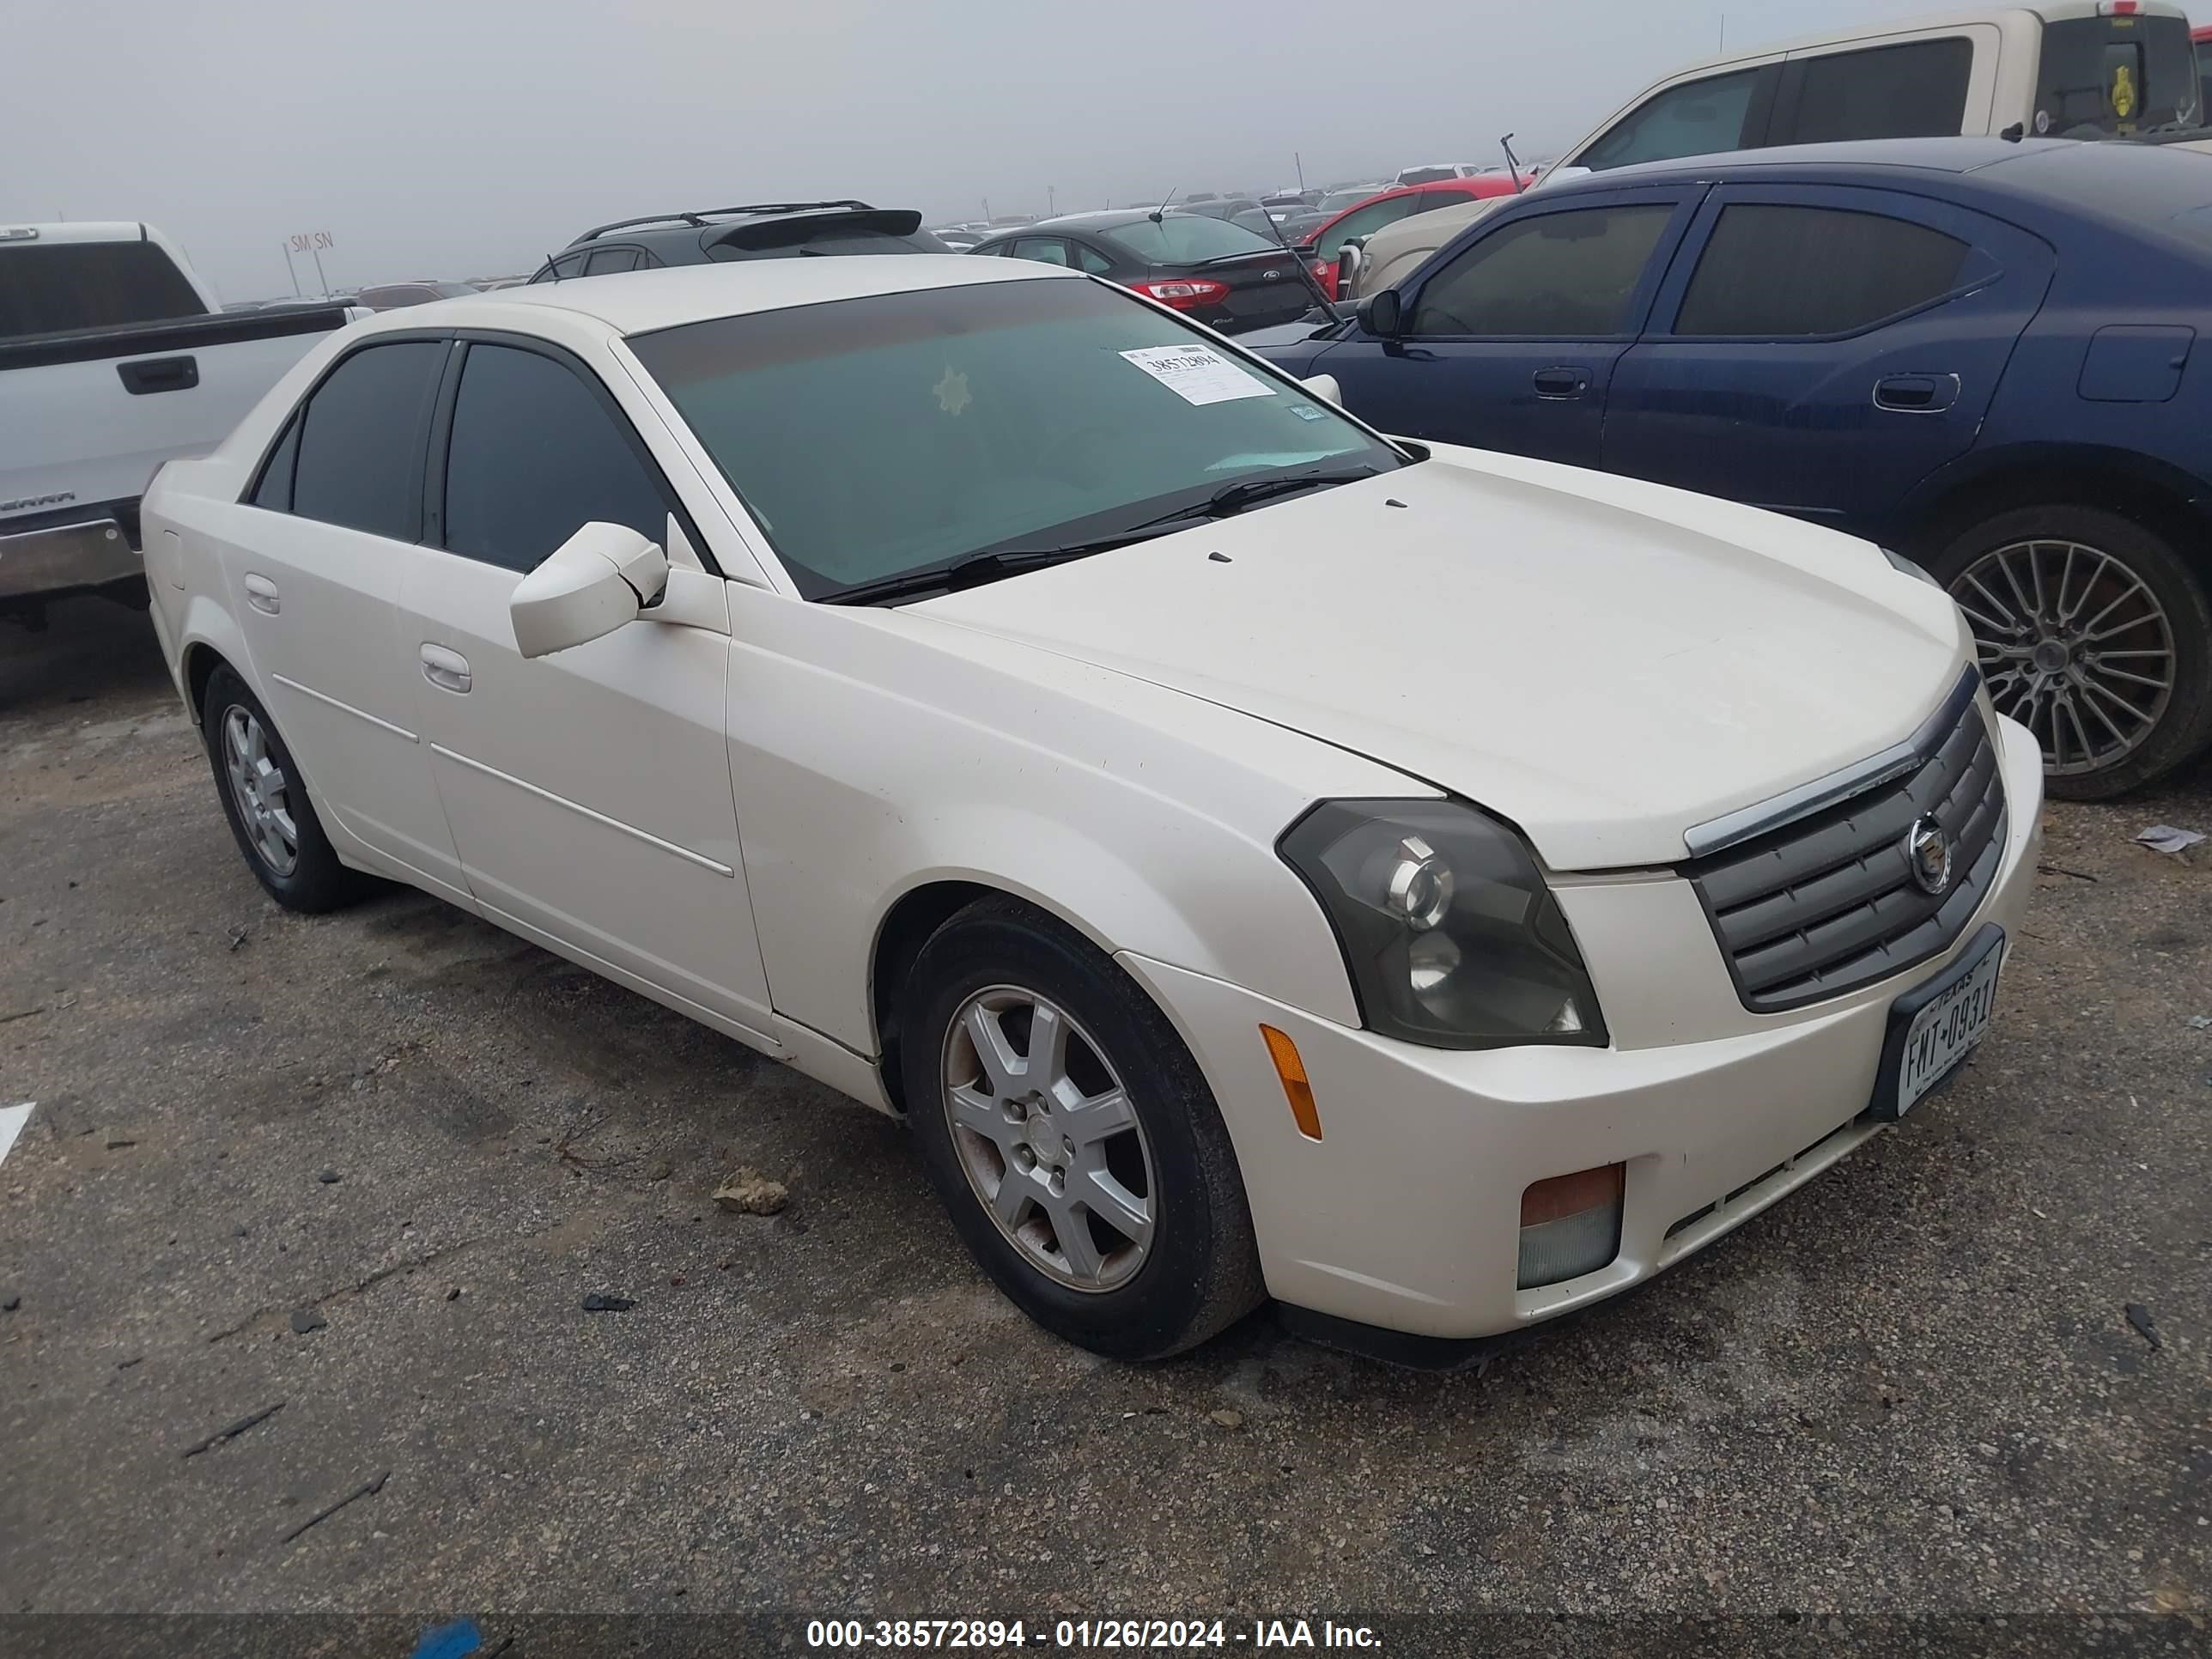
[700,216]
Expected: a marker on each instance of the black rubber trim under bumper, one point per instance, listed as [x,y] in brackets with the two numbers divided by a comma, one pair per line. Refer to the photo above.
[1406,1348]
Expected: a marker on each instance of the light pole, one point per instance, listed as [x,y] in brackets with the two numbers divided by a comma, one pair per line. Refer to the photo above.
[287,245]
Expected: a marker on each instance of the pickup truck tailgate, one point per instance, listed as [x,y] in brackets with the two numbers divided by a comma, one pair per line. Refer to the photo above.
[90,416]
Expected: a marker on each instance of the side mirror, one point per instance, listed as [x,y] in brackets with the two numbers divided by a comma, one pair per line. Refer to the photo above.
[1324,387]
[1382,314]
[599,578]
[1350,261]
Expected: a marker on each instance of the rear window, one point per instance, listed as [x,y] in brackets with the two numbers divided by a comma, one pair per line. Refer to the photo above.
[1914,90]
[1427,175]
[1778,272]
[2101,75]
[1185,238]
[53,286]
[797,237]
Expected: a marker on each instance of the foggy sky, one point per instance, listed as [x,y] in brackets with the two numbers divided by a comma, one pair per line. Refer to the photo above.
[457,138]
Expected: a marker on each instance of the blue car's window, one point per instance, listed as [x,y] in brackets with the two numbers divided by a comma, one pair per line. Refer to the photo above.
[1777,271]
[1558,275]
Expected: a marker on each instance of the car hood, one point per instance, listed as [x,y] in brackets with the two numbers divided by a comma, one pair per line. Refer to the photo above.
[1605,663]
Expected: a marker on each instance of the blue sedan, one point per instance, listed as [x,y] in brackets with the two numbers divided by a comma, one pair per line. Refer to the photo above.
[1981,353]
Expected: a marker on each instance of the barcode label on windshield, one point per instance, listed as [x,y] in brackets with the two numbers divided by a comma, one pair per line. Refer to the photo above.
[1199,375]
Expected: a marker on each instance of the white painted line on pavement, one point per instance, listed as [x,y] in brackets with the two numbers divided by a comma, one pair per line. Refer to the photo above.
[12,1120]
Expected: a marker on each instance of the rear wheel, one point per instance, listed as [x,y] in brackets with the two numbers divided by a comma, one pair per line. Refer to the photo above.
[2092,633]
[266,802]
[1071,1137]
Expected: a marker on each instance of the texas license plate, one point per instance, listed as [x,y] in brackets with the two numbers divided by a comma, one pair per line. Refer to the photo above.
[1934,1028]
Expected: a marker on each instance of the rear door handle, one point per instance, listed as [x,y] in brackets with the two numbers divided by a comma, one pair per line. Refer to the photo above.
[261,594]
[1916,394]
[159,375]
[447,670]
[1561,383]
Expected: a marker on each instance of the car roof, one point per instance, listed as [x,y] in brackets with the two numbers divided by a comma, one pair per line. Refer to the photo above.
[638,302]
[1928,155]
[2121,188]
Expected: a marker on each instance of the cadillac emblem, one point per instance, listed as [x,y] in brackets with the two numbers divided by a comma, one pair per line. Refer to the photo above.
[1928,855]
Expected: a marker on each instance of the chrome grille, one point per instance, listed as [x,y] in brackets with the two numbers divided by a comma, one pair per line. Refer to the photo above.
[1826,902]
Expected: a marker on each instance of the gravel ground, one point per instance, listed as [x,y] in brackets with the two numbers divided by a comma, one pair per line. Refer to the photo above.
[368,1165]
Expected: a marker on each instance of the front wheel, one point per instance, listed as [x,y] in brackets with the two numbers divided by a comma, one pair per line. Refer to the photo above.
[1072,1139]
[2094,635]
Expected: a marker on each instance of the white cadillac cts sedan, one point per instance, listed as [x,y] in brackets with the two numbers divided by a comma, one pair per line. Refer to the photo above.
[1432,889]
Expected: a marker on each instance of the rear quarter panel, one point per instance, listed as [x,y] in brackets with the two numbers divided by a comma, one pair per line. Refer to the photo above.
[2141,423]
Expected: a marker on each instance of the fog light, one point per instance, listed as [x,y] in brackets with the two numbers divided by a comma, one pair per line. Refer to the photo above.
[1571,1225]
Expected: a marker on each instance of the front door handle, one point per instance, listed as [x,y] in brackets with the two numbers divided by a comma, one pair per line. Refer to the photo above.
[1561,384]
[447,670]
[1916,394]
[261,594]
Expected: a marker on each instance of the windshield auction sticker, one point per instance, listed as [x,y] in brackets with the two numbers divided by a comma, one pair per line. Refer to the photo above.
[1199,375]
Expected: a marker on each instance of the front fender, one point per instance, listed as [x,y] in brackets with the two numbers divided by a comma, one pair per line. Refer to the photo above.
[874,753]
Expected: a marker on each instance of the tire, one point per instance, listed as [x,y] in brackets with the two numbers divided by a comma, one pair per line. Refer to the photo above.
[1198,1271]
[2103,739]
[315,881]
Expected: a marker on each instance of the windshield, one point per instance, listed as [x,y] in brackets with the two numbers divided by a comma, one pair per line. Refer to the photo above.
[1427,175]
[1337,200]
[1185,238]
[903,431]
[2115,76]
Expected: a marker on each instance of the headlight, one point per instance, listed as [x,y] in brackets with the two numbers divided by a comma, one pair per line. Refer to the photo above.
[1898,561]
[1451,936]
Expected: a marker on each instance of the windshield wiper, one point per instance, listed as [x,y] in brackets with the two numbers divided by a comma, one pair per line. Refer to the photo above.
[1233,498]
[975,570]
[980,567]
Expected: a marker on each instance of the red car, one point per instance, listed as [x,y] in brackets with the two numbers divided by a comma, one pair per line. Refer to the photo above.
[1386,207]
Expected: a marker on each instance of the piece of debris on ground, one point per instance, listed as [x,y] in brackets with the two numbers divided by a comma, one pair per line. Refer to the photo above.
[748,1192]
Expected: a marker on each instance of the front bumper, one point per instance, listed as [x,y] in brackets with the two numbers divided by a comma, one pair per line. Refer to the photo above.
[1406,1214]
[59,559]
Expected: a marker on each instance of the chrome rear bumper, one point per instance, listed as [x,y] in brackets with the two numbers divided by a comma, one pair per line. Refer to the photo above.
[59,558]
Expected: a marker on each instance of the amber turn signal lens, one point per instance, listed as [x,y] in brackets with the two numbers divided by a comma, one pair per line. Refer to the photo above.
[1570,1225]
[1571,1195]
[1296,1089]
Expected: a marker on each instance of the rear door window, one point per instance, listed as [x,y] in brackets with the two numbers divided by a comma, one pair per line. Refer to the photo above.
[51,287]
[1780,272]
[1557,276]
[361,440]
[1698,118]
[1916,89]
[536,454]
[1365,220]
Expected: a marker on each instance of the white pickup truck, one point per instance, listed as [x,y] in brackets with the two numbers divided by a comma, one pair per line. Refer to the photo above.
[113,359]
[2063,69]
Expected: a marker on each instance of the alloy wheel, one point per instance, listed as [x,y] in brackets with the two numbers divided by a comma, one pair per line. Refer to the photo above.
[2074,645]
[1048,1139]
[260,791]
